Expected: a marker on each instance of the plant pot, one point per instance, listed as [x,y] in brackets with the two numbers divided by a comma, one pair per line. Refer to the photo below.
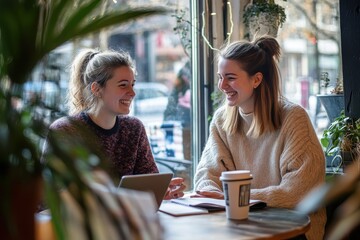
[333,104]
[334,162]
[340,161]
[347,159]
[263,24]
[20,200]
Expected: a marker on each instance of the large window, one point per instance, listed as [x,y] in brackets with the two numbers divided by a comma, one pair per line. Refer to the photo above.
[310,41]
[160,46]
[176,81]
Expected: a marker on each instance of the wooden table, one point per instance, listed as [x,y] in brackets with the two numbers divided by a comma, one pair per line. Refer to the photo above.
[268,223]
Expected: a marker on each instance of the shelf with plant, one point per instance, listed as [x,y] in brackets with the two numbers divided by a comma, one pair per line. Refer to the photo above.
[342,139]
[332,100]
[29,31]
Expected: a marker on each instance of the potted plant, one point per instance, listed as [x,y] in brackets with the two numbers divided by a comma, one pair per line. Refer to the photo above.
[342,196]
[263,17]
[29,30]
[333,100]
[341,140]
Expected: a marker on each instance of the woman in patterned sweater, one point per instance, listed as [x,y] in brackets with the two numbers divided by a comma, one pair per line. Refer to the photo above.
[100,93]
[260,131]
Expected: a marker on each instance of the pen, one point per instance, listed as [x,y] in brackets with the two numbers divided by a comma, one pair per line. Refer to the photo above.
[223,163]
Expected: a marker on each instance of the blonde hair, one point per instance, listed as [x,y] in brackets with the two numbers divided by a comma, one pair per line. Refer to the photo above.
[92,66]
[262,56]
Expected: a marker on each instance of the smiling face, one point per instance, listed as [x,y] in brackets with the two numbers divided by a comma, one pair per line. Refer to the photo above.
[237,84]
[116,96]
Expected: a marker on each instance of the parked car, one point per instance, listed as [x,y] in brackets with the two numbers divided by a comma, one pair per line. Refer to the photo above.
[151,98]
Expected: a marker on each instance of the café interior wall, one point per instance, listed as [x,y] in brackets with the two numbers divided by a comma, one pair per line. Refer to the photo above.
[350,38]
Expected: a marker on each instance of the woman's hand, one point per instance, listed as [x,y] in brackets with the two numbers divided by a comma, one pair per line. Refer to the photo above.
[176,188]
[208,194]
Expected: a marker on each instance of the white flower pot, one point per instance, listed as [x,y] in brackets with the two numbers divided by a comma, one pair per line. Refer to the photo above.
[263,24]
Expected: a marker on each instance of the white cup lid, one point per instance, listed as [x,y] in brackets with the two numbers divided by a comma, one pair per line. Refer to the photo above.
[236,175]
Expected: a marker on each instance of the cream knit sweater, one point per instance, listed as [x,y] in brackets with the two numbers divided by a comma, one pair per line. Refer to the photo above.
[285,164]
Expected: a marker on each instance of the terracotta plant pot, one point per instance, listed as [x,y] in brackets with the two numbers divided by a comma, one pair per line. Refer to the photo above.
[17,221]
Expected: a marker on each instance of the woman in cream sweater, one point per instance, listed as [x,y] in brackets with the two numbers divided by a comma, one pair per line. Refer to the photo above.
[258,130]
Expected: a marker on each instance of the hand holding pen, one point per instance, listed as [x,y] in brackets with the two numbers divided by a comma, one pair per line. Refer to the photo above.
[176,188]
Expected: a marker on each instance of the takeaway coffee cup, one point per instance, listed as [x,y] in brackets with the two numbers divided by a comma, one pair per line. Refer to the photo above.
[236,185]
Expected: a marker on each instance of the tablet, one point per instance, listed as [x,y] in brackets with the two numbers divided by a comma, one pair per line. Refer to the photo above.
[157,183]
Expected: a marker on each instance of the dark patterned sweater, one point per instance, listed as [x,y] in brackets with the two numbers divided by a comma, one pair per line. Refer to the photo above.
[125,146]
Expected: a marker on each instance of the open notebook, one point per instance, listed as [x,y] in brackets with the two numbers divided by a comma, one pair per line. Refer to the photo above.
[191,206]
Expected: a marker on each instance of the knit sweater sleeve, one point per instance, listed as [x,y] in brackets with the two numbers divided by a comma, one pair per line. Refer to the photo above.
[61,125]
[302,163]
[215,158]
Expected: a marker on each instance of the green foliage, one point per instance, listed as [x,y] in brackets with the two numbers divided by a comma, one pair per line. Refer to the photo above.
[29,31]
[343,134]
[264,6]
[217,98]
[19,135]
[183,29]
